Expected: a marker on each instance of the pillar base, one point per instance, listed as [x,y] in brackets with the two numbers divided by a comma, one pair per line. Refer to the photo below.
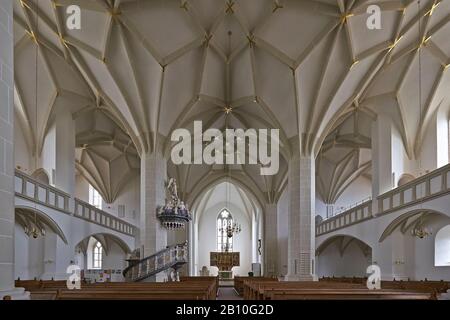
[15,294]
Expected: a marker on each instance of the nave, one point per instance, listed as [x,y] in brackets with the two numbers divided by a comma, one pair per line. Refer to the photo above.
[93,179]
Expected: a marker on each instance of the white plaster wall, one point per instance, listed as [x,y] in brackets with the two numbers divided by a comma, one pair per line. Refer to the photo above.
[442,128]
[321,208]
[424,262]
[81,188]
[207,238]
[115,259]
[351,263]
[48,160]
[435,153]
[357,191]
[22,155]
[28,255]
[21,268]
[129,196]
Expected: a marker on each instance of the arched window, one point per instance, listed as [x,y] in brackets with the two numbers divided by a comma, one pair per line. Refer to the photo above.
[442,247]
[95,199]
[98,254]
[224,242]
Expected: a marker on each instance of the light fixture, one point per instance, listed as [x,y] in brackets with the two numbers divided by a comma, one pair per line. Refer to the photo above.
[36,229]
[421,231]
[233,228]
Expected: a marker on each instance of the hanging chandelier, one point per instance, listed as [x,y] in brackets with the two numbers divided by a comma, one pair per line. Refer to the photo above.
[35,229]
[421,232]
[174,214]
[232,229]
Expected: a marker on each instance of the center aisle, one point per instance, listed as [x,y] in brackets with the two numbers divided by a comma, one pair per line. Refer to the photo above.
[228,293]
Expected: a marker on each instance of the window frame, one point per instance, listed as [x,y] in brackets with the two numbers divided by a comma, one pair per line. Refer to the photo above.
[97,255]
[95,199]
[221,236]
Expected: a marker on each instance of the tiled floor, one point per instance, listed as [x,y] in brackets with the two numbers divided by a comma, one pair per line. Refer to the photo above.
[228,293]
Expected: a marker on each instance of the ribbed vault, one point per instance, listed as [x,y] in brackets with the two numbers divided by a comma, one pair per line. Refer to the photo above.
[105,155]
[299,65]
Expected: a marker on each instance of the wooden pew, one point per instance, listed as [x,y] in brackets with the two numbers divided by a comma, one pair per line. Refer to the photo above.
[289,290]
[133,294]
[435,287]
[239,282]
[191,289]
[202,278]
[346,294]
[254,290]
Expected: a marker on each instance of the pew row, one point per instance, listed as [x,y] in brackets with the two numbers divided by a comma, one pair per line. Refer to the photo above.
[189,288]
[309,290]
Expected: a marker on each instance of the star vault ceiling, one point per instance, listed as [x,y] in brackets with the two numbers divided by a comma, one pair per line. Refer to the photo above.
[303,66]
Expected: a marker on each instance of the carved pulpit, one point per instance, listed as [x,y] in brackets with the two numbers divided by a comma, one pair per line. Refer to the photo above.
[225,261]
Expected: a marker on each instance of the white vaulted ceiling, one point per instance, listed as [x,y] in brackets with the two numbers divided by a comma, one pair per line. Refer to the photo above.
[304,66]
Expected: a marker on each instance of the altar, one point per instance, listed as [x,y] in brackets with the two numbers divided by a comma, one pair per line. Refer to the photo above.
[225,261]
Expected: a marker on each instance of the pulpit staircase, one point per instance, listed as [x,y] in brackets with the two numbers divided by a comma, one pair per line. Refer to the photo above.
[172,257]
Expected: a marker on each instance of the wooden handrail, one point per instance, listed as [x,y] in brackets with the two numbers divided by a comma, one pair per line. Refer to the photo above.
[171,257]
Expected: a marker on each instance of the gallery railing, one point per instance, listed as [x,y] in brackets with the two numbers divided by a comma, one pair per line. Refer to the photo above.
[426,187]
[171,257]
[90,213]
[31,189]
[353,215]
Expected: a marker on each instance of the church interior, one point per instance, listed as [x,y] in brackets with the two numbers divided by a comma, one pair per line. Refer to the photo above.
[109,190]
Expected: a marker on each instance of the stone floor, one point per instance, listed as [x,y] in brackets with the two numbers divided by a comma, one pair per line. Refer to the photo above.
[226,283]
[228,293]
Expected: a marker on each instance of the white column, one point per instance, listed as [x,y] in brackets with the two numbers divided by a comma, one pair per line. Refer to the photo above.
[254,239]
[153,176]
[301,238]
[65,152]
[382,177]
[7,156]
[434,147]
[270,239]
